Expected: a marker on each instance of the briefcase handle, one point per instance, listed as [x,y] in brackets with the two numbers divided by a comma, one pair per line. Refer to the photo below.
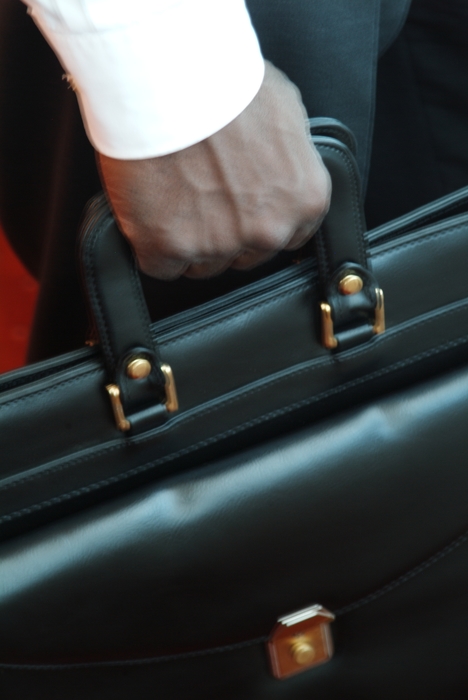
[140,385]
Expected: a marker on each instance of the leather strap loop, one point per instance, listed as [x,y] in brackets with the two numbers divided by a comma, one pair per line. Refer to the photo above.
[119,310]
[116,299]
[341,248]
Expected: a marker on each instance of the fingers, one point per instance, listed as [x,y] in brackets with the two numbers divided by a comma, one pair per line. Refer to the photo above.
[265,244]
[255,187]
[247,259]
[159,266]
[172,270]
[167,268]
[303,234]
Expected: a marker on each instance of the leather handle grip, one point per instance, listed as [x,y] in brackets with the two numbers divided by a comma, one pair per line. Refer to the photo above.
[115,295]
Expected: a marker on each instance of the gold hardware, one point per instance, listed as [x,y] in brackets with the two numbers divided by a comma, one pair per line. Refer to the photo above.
[329,340]
[350,284]
[302,651]
[119,415]
[139,368]
[172,402]
[328,336]
[379,321]
[301,641]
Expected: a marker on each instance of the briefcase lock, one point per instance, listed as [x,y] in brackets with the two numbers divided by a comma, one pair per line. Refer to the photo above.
[301,641]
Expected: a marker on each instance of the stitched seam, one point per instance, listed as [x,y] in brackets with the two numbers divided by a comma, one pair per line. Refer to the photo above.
[393,230]
[238,315]
[435,215]
[356,351]
[296,290]
[221,404]
[396,583]
[419,241]
[269,301]
[145,320]
[94,296]
[138,662]
[394,333]
[209,441]
[334,133]
[355,198]
[408,576]
[51,389]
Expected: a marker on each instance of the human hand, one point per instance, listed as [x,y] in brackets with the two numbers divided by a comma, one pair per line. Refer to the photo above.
[254,188]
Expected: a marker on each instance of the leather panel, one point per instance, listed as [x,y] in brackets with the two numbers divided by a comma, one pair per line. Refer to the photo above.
[426,321]
[129,566]
[110,585]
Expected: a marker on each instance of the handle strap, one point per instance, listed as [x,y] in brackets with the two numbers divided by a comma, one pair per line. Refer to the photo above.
[141,388]
[352,310]
[137,380]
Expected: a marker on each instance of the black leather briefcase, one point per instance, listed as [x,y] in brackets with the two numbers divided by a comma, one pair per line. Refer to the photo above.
[264,497]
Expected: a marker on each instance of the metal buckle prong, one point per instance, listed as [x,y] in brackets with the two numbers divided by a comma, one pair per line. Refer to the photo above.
[172,402]
[114,392]
[328,335]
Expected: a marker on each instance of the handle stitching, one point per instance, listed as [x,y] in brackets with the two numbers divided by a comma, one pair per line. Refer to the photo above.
[141,306]
[358,223]
[164,658]
[90,245]
[216,438]
[420,241]
[266,385]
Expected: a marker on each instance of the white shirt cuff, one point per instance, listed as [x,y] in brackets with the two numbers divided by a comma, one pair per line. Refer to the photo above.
[176,74]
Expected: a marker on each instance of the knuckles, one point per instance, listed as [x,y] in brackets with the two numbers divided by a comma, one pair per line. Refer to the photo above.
[168,254]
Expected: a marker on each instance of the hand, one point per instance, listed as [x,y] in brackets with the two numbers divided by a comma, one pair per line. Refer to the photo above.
[255,187]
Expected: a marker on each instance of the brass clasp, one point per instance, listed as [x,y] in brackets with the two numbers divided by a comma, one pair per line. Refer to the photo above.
[301,641]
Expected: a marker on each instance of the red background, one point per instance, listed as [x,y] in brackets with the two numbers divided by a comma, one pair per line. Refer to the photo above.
[18,291]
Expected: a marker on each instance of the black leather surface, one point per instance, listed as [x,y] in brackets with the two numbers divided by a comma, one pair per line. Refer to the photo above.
[121,319]
[341,249]
[210,559]
[240,363]
[157,564]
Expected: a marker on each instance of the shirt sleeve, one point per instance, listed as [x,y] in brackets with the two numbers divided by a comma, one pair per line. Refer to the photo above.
[153,76]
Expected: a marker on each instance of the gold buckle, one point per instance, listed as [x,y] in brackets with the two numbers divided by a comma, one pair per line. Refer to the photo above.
[328,334]
[171,403]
